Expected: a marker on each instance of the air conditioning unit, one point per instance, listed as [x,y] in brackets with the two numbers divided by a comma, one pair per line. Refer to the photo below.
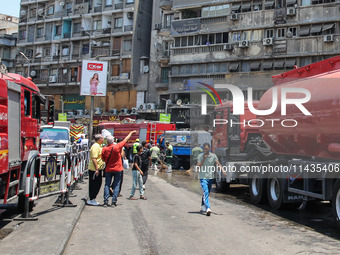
[158,26]
[328,38]
[134,110]
[41,12]
[291,11]
[243,44]
[113,111]
[130,15]
[268,41]
[142,107]
[98,111]
[124,111]
[151,106]
[228,46]
[52,78]
[234,16]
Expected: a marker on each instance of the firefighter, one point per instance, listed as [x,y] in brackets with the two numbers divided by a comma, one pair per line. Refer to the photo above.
[134,147]
[155,151]
[168,154]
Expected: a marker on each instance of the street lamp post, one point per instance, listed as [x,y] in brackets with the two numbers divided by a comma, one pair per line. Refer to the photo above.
[28,63]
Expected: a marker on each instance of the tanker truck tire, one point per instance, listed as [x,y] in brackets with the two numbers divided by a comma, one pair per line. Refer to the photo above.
[257,189]
[336,202]
[275,190]
[175,162]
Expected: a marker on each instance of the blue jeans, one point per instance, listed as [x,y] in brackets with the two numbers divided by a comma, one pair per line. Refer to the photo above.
[136,177]
[206,187]
[117,177]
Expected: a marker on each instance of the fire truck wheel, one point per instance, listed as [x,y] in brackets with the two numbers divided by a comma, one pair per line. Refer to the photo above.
[336,202]
[275,192]
[257,189]
[21,204]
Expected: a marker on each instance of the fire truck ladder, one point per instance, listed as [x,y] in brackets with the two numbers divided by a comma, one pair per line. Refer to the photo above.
[153,132]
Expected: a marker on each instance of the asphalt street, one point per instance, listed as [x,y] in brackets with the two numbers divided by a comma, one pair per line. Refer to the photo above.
[169,222]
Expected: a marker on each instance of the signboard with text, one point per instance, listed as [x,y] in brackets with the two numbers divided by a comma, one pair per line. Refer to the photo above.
[93,78]
[165,117]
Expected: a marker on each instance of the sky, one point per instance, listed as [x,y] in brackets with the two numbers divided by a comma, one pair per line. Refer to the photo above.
[11,7]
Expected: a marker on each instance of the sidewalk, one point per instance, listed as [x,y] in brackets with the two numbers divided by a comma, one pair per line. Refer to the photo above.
[51,232]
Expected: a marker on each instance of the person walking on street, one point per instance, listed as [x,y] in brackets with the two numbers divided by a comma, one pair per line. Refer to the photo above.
[112,154]
[155,152]
[168,154]
[146,162]
[134,147]
[137,174]
[95,166]
[207,162]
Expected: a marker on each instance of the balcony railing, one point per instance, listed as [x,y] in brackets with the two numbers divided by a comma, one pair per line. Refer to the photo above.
[67,35]
[128,28]
[97,9]
[107,30]
[119,6]
[115,52]
[100,51]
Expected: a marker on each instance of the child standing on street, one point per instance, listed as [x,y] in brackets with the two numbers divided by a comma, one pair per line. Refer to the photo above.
[137,174]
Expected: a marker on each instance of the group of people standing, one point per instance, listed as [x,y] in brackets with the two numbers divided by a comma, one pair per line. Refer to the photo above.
[110,159]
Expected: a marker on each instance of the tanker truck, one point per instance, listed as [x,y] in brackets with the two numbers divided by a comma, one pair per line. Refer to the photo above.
[298,120]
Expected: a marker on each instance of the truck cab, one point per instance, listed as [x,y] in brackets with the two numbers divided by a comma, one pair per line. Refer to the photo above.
[55,139]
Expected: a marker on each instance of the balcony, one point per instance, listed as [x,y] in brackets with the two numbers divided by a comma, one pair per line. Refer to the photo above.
[97,9]
[163,58]
[100,51]
[107,30]
[162,85]
[56,57]
[119,6]
[115,52]
[67,35]
[165,5]
[128,28]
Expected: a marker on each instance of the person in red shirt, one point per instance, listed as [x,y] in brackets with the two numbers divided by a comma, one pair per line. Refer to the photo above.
[112,156]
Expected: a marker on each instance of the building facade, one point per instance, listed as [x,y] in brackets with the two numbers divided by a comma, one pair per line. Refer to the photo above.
[8,36]
[242,43]
[56,35]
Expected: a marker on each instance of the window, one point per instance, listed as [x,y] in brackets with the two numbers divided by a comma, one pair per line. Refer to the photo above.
[174,70]
[50,10]
[217,68]
[85,49]
[69,7]
[35,107]
[58,30]
[305,61]
[166,48]
[167,20]
[236,36]
[211,39]
[115,70]
[130,1]
[245,66]
[118,22]
[291,32]
[210,68]
[177,41]
[202,68]
[27,103]
[269,33]
[216,10]
[116,43]
[127,45]
[225,37]
[47,52]
[22,35]
[188,69]
[126,65]
[65,51]
[76,27]
[184,41]
[281,32]
[257,6]
[218,38]
[97,25]
[182,69]
[204,39]
[245,35]
[165,74]
[304,31]
[40,32]
[256,35]
[190,40]
[306,2]
[108,3]
[328,29]
[194,69]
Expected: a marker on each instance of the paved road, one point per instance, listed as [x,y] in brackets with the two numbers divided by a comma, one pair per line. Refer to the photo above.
[169,222]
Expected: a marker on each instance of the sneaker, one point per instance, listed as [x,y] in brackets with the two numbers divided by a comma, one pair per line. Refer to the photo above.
[114,204]
[106,204]
[143,187]
[208,212]
[92,202]
[203,209]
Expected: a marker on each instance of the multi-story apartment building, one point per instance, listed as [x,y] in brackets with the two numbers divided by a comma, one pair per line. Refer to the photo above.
[56,35]
[237,42]
[8,35]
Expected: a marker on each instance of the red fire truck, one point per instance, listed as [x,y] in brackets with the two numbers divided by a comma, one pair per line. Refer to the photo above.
[20,116]
[145,131]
